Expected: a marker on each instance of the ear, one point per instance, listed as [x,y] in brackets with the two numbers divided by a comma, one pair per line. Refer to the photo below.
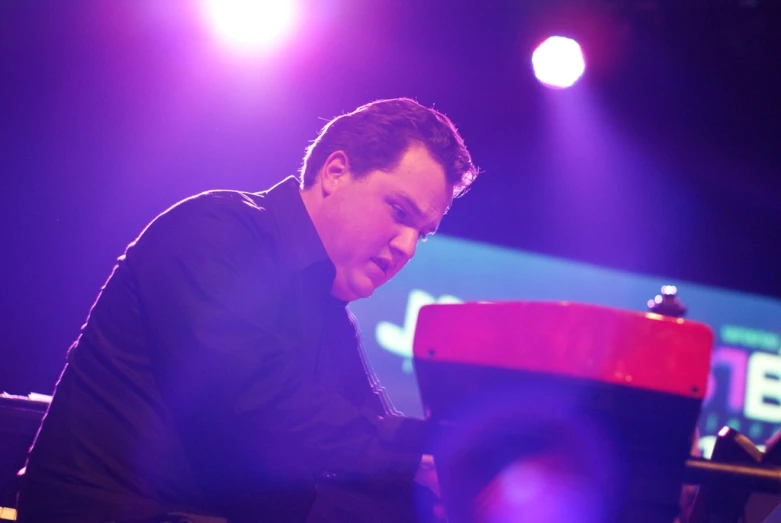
[335,168]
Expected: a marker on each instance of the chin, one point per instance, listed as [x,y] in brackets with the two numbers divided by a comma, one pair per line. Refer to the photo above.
[364,293]
[354,288]
[363,289]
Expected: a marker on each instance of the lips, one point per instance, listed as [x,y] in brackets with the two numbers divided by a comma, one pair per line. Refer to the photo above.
[383,264]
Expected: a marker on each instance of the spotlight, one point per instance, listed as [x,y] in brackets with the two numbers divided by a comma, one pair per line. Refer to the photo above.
[558,62]
[249,25]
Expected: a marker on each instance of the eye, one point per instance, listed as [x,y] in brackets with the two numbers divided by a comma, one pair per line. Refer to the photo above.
[403,218]
[400,214]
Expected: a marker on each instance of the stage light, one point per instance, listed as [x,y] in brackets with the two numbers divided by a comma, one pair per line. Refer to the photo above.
[558,62]
[539,489]
[250,25]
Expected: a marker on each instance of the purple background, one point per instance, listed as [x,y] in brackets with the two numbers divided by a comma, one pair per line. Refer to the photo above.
[664,160]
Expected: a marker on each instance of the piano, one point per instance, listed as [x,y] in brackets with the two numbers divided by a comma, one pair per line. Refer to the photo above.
[560,411]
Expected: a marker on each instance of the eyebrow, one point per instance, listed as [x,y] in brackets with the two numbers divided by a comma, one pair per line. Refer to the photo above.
[415,209]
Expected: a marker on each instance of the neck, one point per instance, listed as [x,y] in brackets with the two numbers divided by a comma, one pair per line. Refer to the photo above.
[312,198]
[311,203]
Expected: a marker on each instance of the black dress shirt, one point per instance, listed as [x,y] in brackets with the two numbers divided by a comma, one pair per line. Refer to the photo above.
[215,375]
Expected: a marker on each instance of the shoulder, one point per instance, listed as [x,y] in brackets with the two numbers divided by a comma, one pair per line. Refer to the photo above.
[219,245]
[228,205]
[215,234]
[218,217]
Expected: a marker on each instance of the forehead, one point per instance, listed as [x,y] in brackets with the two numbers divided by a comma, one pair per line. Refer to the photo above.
[420,178]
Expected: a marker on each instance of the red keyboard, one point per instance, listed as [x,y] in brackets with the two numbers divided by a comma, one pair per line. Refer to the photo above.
[614,346]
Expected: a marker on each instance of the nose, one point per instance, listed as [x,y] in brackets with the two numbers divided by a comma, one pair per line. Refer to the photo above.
[405,243]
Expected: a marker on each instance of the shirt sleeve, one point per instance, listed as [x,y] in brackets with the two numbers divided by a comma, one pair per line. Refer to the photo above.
[211,290]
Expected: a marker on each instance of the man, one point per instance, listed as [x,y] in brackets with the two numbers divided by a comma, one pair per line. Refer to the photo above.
[219,373]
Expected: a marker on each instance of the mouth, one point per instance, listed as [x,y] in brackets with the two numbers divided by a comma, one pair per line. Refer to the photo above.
[384,265]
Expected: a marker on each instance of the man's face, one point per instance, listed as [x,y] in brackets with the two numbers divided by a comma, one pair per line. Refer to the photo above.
[371,226]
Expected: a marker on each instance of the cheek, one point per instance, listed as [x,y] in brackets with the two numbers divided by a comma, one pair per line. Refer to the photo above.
[373,231]
[363,233]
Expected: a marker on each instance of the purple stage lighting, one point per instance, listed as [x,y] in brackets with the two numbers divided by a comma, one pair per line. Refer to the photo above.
[558,62]
[250,25]
[538,489]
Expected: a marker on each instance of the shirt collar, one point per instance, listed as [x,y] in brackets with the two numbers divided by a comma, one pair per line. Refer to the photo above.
[300,239]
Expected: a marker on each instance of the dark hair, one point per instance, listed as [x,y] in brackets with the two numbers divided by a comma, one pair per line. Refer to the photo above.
[376,135]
